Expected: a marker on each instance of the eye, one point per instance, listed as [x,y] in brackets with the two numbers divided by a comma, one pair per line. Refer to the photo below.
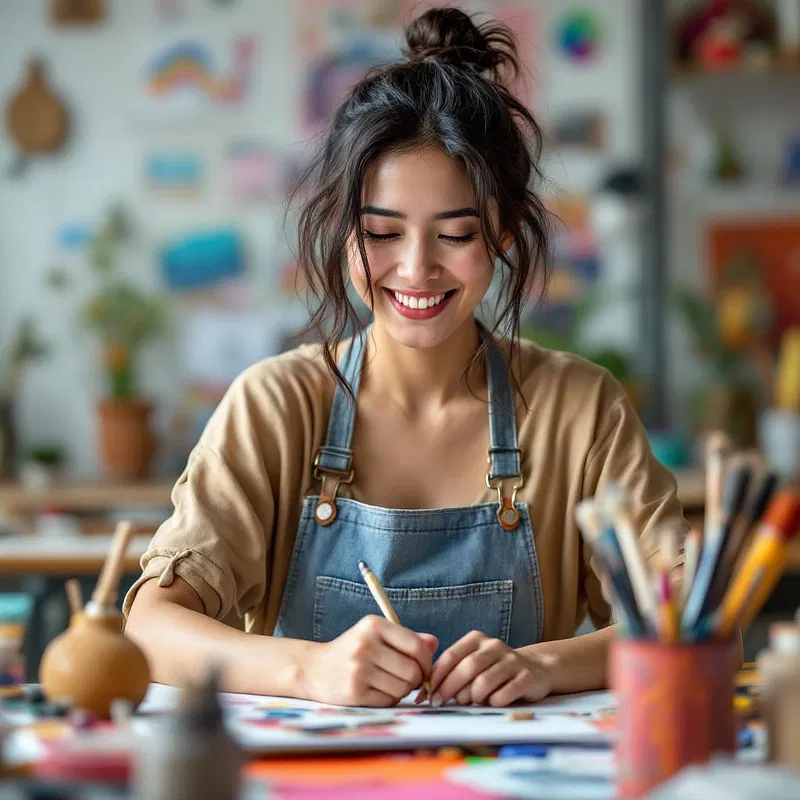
[458,239]
[379,237]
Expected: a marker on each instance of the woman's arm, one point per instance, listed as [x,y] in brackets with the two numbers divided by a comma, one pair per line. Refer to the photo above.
[579,664]
[374,663]
[181,642]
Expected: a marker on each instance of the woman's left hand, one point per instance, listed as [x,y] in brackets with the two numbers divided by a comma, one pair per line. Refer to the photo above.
[484,671]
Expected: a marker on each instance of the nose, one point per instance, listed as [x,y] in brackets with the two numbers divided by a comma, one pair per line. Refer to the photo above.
[417,265]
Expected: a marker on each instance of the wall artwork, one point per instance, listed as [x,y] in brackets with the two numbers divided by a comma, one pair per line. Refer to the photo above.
[747,257]
[340,40]
[255,173]
[190,76]
[177,174]
[576,265]
[78,12]
[579,36]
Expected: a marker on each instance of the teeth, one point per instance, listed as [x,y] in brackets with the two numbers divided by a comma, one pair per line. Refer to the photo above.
[418,302]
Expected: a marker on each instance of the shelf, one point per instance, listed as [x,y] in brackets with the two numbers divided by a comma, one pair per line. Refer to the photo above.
[685,73]
[90,496]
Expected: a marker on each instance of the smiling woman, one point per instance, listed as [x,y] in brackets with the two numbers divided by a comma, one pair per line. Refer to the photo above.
[448,454]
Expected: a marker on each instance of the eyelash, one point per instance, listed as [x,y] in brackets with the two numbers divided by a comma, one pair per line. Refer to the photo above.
[386,237]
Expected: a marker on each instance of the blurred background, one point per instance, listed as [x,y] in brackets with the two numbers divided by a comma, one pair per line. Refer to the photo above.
[147,151]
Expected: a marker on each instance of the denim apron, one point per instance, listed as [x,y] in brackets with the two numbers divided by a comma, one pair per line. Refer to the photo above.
[446,571]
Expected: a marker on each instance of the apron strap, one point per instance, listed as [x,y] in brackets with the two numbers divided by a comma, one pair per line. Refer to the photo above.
[333,464]
[505,461]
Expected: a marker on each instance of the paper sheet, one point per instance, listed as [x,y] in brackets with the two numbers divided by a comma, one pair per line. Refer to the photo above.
[271,724]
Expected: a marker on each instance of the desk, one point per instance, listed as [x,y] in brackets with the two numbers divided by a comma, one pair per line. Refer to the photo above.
[65,556]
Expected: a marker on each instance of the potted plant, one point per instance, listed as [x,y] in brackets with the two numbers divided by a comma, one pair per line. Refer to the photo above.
[729,400]
[26,347]
[41,467]
[126,319]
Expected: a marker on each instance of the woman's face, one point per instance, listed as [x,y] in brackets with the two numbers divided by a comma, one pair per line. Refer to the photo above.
[426,251]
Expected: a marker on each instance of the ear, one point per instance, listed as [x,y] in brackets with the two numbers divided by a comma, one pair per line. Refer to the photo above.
[506,241]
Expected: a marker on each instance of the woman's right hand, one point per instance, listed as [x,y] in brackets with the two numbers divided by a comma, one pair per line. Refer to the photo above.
[374,663]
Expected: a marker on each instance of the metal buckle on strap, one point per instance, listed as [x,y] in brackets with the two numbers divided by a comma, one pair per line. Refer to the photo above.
[508,514]
[325,510]
[318,471]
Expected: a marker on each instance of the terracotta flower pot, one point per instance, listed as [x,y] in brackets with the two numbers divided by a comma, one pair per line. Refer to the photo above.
[127,441]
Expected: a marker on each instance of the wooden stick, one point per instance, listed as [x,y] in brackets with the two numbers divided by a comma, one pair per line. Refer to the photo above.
[74,595]
[105,593]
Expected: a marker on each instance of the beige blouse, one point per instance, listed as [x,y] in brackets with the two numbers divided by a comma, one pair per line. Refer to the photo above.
[237,504]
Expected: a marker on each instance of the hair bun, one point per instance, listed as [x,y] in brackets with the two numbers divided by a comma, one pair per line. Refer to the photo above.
[449,35]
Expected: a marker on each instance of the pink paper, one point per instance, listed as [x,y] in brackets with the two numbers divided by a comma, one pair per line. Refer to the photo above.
[425,790]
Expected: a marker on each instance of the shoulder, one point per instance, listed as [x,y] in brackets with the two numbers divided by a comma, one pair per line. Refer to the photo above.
[279,398]
[553,379]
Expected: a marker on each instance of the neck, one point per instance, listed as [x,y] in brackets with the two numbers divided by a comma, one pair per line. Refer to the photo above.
[419,379]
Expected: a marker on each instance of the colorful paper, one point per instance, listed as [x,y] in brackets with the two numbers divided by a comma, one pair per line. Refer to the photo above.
[576,719]
[434,790]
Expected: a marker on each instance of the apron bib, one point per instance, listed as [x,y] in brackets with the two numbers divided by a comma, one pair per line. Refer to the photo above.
[446,571]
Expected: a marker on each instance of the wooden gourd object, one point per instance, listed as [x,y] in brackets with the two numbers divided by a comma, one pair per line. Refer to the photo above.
[93,663]
[36,119]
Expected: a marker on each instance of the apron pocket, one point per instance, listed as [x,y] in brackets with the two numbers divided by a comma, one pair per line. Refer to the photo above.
[448,612]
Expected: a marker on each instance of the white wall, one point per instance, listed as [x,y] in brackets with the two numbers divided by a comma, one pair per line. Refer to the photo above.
[95,70]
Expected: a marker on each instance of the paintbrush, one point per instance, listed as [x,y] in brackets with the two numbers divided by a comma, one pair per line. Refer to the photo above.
[616,509]
[603,540]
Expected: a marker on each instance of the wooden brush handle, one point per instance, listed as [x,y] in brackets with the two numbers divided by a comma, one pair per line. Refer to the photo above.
[74,595]
[105,593]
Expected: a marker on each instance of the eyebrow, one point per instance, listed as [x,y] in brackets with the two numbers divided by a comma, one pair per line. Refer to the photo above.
[454,213]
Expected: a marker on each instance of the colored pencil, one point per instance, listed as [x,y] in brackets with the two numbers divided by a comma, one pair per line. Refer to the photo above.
[762,567]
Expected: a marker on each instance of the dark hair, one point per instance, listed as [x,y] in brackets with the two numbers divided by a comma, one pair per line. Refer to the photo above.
[448,93]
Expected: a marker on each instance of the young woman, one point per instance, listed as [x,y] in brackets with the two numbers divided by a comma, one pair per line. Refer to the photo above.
[446,455]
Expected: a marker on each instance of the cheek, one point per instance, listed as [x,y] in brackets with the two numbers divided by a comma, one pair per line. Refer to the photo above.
[475,271]
[378,265]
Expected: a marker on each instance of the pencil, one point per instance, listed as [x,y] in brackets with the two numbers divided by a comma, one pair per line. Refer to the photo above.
[378,592]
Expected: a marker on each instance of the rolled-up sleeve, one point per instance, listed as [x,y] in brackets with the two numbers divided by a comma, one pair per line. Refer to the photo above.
[215,538]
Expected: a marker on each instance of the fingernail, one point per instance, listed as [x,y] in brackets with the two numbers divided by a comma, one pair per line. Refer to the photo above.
[436,701]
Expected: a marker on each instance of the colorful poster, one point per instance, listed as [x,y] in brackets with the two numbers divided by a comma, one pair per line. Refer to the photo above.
[191,76]
[254,173]
[341,40]
[174,173]
[576,266]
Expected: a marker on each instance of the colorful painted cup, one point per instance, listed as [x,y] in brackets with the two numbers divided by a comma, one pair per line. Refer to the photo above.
[675,708]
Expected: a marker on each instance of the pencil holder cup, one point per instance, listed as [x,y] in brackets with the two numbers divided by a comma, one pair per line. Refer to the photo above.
[675,708]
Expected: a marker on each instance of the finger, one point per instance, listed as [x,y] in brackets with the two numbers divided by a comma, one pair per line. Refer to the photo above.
[401,666]
[467,670]
[491,679]
[388,684]
[374,698]
[430,640]
[406,641]
[454,655]
[464,697]
[523,686]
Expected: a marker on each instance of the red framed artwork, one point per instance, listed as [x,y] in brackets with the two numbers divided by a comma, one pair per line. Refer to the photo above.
[771,249]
